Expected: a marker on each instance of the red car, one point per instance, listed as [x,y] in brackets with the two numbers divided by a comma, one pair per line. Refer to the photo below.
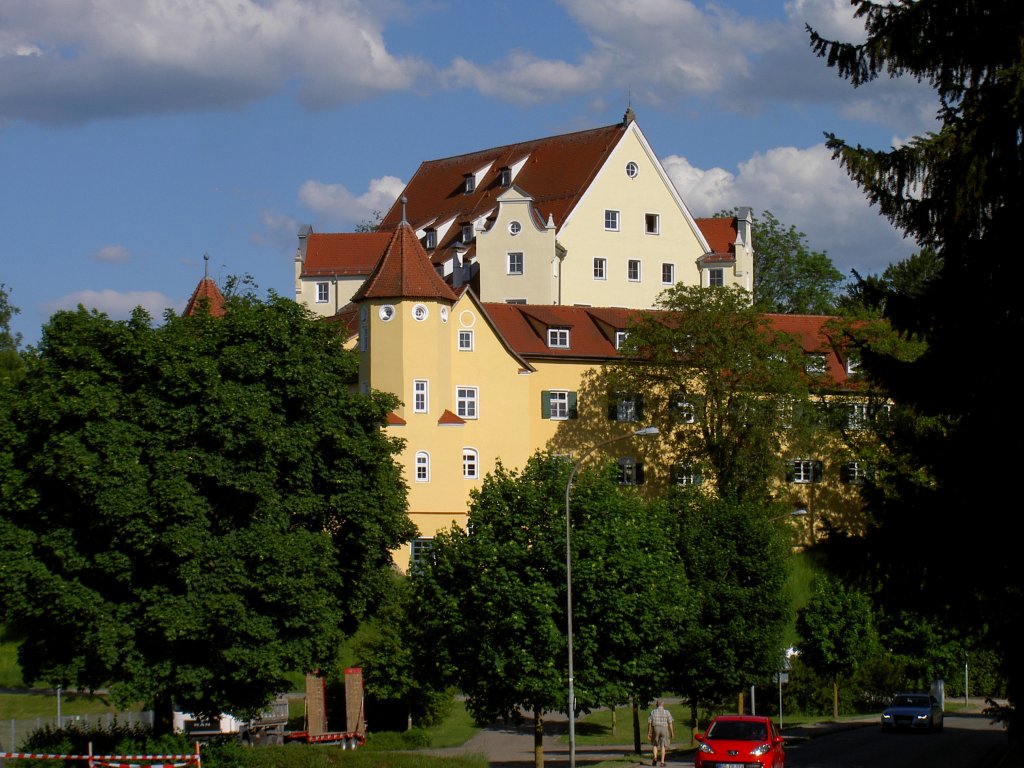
[740,741]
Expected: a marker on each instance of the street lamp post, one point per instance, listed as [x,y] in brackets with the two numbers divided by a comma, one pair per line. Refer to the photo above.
[568,577]
[798,512]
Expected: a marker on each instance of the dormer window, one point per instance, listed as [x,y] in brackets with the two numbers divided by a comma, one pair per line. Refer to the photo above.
[506,177]
[467,233]
[558,338]
[815,364]
[468,183]
[430,239]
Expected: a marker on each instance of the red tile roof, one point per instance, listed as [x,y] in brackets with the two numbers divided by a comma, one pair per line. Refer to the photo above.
[345,253]
[557,171]
[206,296]
[720,232]
[404,272]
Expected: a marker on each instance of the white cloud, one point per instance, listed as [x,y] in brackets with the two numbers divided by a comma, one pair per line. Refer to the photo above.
[116,304]
[338,204]
[112,253]
[109,58]
[804,188]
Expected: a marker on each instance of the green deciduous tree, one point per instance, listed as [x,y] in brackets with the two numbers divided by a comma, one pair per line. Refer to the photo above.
[790,278]
[717,378]
[11,365]
[836,631]
[493,599]
[734,555]
[192,511]
[956,190]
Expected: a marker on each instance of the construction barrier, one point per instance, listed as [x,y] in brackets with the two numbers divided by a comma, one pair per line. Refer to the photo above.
[114,761]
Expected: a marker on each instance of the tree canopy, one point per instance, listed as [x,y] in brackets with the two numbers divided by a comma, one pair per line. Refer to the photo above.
[717,375]
[11,365]
[189,512]
[957,191]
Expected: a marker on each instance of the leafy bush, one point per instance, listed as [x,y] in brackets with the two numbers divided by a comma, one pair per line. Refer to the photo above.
[383,741]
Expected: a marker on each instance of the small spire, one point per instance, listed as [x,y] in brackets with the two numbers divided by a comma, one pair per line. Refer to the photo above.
[206,266]
[404,201]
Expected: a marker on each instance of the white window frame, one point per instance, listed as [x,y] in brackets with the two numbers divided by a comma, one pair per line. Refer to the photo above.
[716,278]
[465,340]
[514,260]
[559,404]
[611,220]
[558,338]
[467,402]
[600,268]
[420,550]
[668,273]
[467,233]
[652,223]
[620,338]
[856,472]
[430,239]
[634,266]
[858,415]
[323,292]
[815,364]
[687,474]
[803,471]
[627,470]
[422,467]
[471,463]
[420,396]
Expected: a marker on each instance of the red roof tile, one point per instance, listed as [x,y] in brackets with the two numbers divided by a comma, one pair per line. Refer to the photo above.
[720,232]
[558,169]
[206,296]
[450,419]
[404,272]
[345,253]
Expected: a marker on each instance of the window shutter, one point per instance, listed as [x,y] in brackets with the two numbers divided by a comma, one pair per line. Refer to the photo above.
[573,413]
[639,407]
[613,410]
[844,472]
[816,472]
[791,473]
[545,404]
[698,478]
[638,473]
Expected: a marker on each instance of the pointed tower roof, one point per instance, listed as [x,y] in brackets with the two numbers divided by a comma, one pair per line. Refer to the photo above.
[207,296]
[404,272]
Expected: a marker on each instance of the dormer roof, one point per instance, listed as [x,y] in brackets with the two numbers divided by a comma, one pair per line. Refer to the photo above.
[721,233]
[404,272]
[345,254]
[555,171]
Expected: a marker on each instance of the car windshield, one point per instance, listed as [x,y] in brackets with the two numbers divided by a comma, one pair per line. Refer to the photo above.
[910,701]
[737,730]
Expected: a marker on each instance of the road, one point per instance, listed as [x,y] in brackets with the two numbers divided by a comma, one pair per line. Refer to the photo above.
[968,741]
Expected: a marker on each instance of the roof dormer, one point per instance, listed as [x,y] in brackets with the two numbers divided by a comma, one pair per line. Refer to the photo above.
[468,183]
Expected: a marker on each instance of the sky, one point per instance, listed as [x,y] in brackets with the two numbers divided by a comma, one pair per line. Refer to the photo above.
[143,142]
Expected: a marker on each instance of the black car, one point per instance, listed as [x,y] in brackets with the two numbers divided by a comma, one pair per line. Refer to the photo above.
[912,712]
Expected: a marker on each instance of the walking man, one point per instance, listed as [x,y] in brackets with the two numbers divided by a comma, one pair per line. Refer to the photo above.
[660,730]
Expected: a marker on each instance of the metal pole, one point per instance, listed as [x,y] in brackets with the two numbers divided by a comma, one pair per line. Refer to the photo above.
[568,581]
[780,701]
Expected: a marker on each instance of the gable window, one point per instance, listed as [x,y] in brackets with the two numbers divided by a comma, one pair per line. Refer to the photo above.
[470,463]
[430,239]
[419,396]
[804,471]
[668,274]
[514,228]
[611,221]
[467,402]
[558,405]
[465,341]
[468,183]
[626,407]
[421,552]
[600,269]
[467,233]
[716,278]
[814,364]
[632,170]
[652,223]
[515,263]
[422,467]
[558,338]
[685,473]
[633,270]
[323,293]
[620,338]
[631,471]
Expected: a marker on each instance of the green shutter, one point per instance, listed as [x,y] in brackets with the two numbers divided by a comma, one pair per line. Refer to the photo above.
[638,473]
[816,472]
[639,407]
[545,404]
[572,406]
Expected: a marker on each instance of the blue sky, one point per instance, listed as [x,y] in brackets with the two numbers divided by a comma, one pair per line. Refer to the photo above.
[135,137]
